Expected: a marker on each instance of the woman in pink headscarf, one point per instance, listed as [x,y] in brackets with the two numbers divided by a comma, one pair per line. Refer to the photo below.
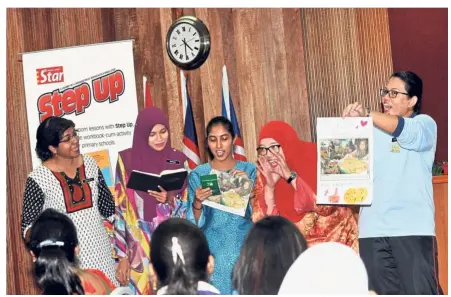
[139,213]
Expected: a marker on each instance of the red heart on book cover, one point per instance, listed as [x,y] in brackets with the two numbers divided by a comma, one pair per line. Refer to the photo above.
[363,123]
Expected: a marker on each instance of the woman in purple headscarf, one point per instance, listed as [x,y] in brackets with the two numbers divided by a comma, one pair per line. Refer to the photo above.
[139,213]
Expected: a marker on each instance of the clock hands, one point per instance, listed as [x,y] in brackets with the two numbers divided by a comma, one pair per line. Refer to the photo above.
[191,39]
[186,44]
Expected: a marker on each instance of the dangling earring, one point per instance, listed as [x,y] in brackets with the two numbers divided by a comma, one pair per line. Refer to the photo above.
[154,286]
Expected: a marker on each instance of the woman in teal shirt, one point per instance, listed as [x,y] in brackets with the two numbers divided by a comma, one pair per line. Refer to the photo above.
[225,232]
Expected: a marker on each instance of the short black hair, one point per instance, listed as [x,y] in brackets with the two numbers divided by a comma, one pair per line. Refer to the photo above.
[180,278]
[219,120]
[50,132]
[413,85]
[270,248]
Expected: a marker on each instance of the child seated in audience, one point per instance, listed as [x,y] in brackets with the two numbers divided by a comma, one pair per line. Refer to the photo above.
[270,248]
[181,262]
[327,268]
[54,247]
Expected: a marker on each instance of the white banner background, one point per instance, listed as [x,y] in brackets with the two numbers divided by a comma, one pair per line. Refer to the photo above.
[103,125]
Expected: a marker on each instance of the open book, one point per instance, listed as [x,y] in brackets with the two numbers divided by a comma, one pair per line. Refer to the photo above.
[230,193]
[170,180]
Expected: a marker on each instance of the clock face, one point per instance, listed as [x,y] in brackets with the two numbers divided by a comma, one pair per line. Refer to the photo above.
[184,43]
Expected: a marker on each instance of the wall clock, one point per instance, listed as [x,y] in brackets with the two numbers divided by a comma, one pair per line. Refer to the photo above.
[188,42]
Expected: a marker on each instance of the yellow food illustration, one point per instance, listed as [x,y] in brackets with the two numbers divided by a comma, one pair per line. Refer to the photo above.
[353,165]
[232,199]
[355,195]
[362,193]
[216,198]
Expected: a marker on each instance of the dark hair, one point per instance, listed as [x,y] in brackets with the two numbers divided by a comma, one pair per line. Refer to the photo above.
[413,85]
[53,240]
[270,248]
[50,132]
[180,278]
[219,120]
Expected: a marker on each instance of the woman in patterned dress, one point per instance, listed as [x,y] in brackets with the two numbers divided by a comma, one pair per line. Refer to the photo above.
[139,213]
[74,185]
[286,186]
[225,232]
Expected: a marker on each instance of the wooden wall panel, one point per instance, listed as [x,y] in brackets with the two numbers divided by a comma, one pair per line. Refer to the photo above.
[211,71]
[440,184]
[347,56]
[171,74]
[18,161]
[250,66]
[270,78]
[297,88]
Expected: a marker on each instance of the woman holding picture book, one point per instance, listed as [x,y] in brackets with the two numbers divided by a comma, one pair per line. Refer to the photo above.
[225,231]
[286,186]
[138,210]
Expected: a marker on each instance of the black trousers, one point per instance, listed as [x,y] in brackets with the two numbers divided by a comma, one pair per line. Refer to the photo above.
[405,265]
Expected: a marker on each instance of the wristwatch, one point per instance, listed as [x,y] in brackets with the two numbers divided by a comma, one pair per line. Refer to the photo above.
[292,176]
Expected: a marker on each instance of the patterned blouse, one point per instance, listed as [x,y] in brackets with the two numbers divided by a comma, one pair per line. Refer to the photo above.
[85,199]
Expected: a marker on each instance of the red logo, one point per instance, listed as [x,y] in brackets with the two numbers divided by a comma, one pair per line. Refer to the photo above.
[363,123]
[50,75]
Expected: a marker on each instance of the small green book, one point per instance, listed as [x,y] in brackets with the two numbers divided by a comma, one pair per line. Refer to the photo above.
[210,181]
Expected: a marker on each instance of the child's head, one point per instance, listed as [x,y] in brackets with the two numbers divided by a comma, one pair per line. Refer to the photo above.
[326,268]
[54,246]
[180,257]
[271,246]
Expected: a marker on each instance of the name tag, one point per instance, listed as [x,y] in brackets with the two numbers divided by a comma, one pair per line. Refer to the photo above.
[173,162]
[395,148]
[87,180]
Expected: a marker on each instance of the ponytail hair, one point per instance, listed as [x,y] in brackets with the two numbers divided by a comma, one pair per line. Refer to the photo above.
[179,256]
[55,274]
[181,281]
[53,241]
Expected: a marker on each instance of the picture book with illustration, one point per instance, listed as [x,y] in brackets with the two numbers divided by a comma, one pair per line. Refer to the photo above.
[345,161]
[230,193]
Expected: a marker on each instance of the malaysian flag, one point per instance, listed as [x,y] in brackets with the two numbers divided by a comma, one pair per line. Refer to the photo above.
[147,96]
[190,144]
[229,112]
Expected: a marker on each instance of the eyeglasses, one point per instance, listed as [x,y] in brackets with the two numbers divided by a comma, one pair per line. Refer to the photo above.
[262,151]
[68,137]
[391,93]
